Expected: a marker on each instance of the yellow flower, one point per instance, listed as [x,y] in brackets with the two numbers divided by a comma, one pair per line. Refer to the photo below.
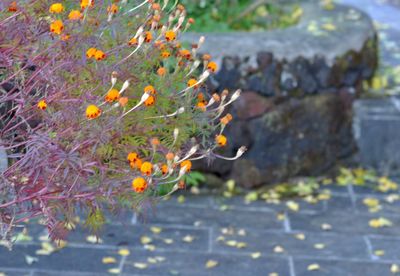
[91,52]
[42,105]
[132,157]
[170,36]
[187,164]
[112,95]
[57,27]
[221,140]
[212,66]
[185,54]
[191,82]
[164,169]
[99,55]
[56,8]
[92,112]
[139,185]
[112,9]
[75,15]
[146,168]
[150,89]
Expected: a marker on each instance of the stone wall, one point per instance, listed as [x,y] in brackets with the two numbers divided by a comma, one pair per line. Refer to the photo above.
[295,114]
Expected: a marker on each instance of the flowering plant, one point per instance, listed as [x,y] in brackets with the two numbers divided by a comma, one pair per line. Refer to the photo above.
[101,107]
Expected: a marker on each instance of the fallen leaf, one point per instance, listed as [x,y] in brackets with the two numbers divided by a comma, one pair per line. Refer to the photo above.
[231,243]
[300,236]
[251,197]
[145,240]
[151,260]
[380,222]
[114,271]
[93,239]
[149,247]
[379,253]
[326,227]
[160,258]
[168,241]
[279,249]
[241,232]
[109,260]
[124,252]
[140,265]
[155,230]
[329,27]
[241,245]
[313,267]
[181,199]
[256,255]
[394,268]
[188,238]
[281,216]
[211,264]
[293,206]
[30,260]
[319,246]
[273,274]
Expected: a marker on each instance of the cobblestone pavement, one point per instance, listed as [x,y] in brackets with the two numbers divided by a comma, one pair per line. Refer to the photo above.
[209,235]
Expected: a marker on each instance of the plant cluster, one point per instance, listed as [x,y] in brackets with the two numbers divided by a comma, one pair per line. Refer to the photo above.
[101,107]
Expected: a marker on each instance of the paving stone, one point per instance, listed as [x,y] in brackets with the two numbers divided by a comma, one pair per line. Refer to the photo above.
[195,264]
[81,259]
[15,272]
[341,203]
[119,235]
[266,241]
[341,268]
[391,247]
[67,273]
[215,217]
[189,200]
[343,222]
[238,202]
[386,207]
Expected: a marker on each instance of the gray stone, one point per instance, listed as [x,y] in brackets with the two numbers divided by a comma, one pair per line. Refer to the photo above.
[376,126]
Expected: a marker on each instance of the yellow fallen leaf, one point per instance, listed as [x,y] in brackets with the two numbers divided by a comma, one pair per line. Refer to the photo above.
[155,230]
[114,271]
[151,260]
[168,241]
[380,222]
[160,258]
[256,255]
[379,252]
[300,236]
[241,245]
[329,27]
[93,239]
[394,268]
[279,249]
[109,260]
[319,246]
[231,243]
[181,199]
[188,238]
[140,265]
[251,197]
[281,216]
[145,240]
[211,264]
[313,267]
[273,274]
[150,247]
[326,227]
[293,206]
[124,252]
[324,196]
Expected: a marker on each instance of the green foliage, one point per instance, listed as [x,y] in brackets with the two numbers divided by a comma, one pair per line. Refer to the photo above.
[231,15]
[194,179]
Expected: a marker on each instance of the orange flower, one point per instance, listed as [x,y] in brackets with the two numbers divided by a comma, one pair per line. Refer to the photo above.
[164,169]
[206,57]
[170,36]
[42,105]
[165,54]
[161,71]
[75,15]
[132,157]
[56,8]
[201,106]
[187,164]
[123,101]
[99,55]
[170,156]
[92,112]
[86,3]
[226,119]
[191,82]
[91,52]
[147,168]
[212,66]
[112,9]
[13,7]
[112,95]
[216,97]
[155,142]
[148,37]
[136,164]
[150,89]
[132,41]
[185,54]
[221,140]
[57,27]
[151,100]
[65,37]
[139,185]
